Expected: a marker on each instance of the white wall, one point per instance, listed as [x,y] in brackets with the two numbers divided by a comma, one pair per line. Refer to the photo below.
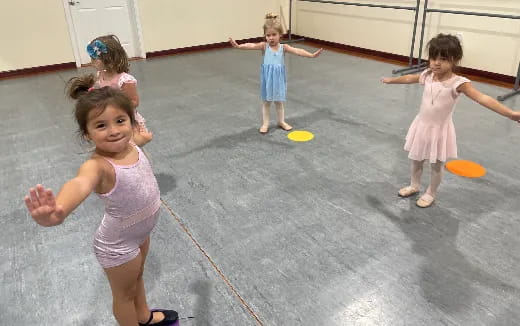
[490,44]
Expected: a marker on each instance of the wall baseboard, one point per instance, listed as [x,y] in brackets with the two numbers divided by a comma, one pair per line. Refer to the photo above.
[197,48]
[36,70]
[475,74]
[363,52]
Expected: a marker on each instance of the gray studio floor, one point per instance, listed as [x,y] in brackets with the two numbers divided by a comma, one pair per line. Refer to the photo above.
[305,233]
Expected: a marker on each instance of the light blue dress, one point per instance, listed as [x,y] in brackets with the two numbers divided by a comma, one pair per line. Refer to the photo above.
[272,75]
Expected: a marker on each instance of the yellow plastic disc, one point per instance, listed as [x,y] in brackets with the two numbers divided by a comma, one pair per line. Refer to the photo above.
[466,169]
[300,135]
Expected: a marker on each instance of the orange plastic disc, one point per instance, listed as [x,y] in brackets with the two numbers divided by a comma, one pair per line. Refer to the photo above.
[466,169]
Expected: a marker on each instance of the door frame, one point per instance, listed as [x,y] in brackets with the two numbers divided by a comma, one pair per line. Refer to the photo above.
[133,16]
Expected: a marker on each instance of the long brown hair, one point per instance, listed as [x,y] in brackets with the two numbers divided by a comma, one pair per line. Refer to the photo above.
[77,86]
[115,59]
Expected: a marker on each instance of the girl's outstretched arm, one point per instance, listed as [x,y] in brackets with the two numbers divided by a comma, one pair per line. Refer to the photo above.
[488,101]
[48,210]
[405,79]
[302,52]
[247,46]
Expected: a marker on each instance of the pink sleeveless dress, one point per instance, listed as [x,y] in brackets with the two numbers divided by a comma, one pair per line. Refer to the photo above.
[131,212]
[432,134]
[117,81]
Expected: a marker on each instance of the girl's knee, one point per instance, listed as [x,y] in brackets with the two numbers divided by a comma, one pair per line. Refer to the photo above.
[125,294]
[417,164]
[437,166]
[123,279]
[141,272]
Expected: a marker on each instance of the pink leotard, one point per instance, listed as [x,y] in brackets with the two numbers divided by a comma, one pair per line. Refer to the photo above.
[131,212]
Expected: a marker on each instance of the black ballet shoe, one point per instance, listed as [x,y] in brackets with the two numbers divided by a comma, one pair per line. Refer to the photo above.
[171,318]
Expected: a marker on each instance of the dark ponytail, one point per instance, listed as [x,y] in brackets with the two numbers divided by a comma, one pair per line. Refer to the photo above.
[77,86]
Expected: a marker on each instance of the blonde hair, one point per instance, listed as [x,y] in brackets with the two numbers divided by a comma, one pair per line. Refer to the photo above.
[272,22]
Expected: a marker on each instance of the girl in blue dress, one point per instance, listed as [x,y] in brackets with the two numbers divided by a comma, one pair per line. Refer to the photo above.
[272,74]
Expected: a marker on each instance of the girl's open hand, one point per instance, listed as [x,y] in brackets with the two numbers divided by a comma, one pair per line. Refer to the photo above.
[386,80]
[317,53]
[515,116]
[233,43]
[41,204]
[145,133]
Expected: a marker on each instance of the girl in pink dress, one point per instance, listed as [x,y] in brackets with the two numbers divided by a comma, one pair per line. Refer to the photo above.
[110,60]
[432,133]
[121,175]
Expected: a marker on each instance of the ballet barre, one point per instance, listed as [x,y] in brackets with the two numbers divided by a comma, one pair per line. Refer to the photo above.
[372,5]
[421,66]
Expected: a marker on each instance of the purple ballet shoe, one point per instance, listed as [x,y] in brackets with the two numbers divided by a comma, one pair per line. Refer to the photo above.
[171,318]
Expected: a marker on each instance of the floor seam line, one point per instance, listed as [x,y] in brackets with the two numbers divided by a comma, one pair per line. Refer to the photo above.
[215,267]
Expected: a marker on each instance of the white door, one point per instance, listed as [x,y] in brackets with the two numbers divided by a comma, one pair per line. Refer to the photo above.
[92,18]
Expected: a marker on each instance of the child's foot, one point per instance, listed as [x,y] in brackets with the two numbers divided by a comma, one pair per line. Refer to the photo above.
[408,191]
[160,317]
[263,129]
[426,200]
[285,126]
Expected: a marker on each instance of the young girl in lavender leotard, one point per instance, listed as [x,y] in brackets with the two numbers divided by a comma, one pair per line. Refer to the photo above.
[121,175]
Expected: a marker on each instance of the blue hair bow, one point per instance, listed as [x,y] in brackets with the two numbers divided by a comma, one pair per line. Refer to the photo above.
[95,50]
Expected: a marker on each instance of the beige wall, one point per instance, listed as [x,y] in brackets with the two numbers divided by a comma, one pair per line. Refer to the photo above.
[37,31]
[490,44]
[175,24]
[33,33]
